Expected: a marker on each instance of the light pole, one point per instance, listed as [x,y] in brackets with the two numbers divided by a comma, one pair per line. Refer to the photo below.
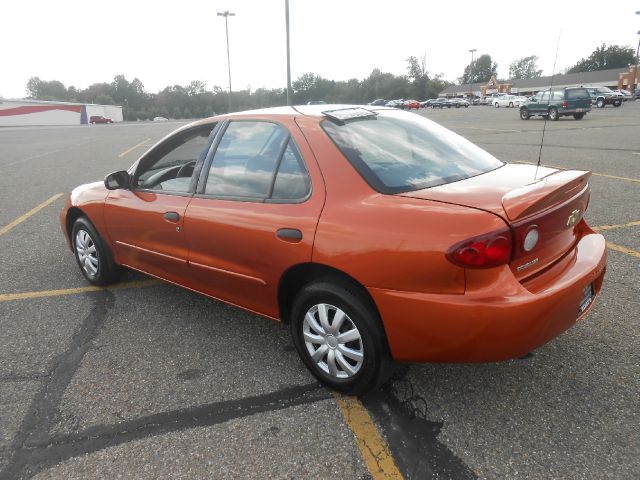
[226,14]
[635,72]
[289,91]
[472,51]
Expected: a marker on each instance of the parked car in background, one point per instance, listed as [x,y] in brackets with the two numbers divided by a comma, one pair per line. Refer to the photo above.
[374,234]
[427,103]
[381,102]
[636,93]
[411,104]
[316,102]
[99,119]
[485,100]
[602,96]
[554,104]
[160,119]
[509,101]
[459,102]
[441,103]
[399,103]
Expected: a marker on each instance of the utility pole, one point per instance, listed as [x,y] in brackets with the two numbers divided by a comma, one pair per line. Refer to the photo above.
[289,91]
[226,14]
[472,51]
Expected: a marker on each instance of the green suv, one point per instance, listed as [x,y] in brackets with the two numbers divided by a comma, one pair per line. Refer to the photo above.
[554,104]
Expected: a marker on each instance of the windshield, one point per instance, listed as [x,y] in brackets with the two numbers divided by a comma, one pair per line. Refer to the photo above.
[401,152]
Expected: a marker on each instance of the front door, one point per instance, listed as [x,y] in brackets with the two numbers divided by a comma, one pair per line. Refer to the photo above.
[146,222]
[255,214]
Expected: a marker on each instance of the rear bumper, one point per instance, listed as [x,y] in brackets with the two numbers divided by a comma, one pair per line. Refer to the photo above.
[498,318]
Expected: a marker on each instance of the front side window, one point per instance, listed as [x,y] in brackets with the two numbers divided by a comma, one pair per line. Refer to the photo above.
[257,160]
[399,152]
[171,165]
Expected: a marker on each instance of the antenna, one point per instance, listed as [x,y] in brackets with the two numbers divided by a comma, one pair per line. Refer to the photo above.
[544,127]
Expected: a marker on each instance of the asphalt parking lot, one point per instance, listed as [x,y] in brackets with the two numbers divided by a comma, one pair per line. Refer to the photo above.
[147,380]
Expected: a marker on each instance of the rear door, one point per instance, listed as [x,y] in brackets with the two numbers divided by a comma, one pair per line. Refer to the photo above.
[255,213]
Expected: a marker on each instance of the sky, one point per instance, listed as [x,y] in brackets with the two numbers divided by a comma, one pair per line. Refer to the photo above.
[80,42]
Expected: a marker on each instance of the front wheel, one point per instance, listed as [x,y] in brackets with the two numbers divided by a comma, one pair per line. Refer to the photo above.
[600,103]
[553,114]
[340,338]
[496,105]
[524,114]
[92,254]
[617,103]
[510,104]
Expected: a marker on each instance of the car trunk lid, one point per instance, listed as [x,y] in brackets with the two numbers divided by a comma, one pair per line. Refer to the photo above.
[553,204]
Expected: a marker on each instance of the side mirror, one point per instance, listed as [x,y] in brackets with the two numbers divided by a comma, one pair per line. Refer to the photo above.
[117,180]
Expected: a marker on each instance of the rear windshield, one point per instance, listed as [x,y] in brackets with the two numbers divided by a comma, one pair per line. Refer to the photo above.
[577,93]
[400,152]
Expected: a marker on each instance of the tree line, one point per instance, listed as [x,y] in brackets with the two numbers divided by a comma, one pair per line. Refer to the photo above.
[195,101]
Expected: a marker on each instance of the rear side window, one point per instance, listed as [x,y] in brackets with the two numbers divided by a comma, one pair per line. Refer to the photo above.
[578,94]
[400,152]
[292,181]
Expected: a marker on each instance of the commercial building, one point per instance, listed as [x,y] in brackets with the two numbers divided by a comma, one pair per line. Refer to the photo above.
[615,78]
[38,112]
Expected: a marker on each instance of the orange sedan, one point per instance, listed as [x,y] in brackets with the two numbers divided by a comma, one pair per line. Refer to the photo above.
[377,234]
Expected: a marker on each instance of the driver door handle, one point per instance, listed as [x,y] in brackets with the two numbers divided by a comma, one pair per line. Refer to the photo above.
[172,216]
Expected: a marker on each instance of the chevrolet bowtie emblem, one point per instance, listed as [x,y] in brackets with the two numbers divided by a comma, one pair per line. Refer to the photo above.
[573,218]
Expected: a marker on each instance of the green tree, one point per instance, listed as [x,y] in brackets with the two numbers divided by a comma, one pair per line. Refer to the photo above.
[480,70]
[526,67]
[104,99]
[604,58]
[46,90]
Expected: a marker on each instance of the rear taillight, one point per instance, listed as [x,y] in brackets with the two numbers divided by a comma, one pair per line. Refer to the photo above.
[484,251]
[565,104]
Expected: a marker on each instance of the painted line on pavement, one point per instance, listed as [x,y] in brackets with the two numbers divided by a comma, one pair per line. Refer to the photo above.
[373,448]
[612,227]
[592,173]
[30,213]
[128,150]
[8,297]
[620,248]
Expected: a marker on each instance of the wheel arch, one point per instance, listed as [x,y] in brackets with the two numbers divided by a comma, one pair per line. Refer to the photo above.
[298,276]
[73,213]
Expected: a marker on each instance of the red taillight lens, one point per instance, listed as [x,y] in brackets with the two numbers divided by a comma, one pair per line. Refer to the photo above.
[485,251]
[565,104]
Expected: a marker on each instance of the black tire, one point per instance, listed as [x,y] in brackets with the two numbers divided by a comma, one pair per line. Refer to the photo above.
[376,365]
[496,105]
[510,104]
[617,103]
[600,103]
[106,271]
[553,114]
[524,114]
[578,116]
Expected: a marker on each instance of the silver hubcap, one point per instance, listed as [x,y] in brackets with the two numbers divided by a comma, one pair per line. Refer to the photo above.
[87,253]
[333,341]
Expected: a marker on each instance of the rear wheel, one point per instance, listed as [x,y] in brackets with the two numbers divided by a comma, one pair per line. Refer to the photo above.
[578,116]
[92,254]
[524,114]
[496,105]
[617,103]
[510,104]
[553,114]
[339,337]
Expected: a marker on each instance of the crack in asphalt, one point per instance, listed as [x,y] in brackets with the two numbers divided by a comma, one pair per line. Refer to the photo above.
[34,449]
[412,438]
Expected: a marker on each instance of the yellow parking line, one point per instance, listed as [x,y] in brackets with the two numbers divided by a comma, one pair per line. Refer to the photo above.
[628,179]
[611,227]
[7,297]
[620,248]
[373,448]
[30,213]
[133,148]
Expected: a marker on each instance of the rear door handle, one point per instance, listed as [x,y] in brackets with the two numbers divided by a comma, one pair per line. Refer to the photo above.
[292,235]
[172,216]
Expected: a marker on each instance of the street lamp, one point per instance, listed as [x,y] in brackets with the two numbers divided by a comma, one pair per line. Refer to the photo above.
[289,91]
[226,14]
[472,51]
